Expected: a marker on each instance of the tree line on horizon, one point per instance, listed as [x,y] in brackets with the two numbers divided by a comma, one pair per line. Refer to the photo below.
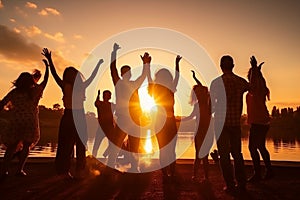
[285,124]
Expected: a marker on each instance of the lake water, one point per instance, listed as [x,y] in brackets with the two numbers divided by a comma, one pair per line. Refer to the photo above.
[279,150]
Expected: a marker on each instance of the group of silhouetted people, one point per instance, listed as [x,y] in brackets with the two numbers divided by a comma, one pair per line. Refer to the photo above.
[222,102]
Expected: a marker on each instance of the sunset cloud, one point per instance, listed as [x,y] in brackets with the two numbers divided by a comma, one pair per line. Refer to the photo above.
[17,30]
[31,5]
[58,37]
[1,4]
[48,11]
[16,48]
[32,31]
[77,36]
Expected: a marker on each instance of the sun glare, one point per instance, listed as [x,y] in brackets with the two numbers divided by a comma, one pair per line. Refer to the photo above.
[148,144]
[146,101]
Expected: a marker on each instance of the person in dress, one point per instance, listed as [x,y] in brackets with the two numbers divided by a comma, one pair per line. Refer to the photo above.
[22,103]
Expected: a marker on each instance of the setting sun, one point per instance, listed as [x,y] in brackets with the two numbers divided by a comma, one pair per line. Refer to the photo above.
[148,143]
[146,101]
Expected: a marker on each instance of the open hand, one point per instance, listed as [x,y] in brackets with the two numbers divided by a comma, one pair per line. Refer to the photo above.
[116,47]
[253,62]
[178,58]
[46,53]
[146,58]
[100,61]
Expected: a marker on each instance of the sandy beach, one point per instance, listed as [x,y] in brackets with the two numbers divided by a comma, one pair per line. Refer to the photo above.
[42,183]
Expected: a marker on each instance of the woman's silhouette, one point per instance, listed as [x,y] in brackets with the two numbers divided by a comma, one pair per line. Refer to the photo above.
[70,134]
[162,89]
[200,99]
[259,120]
[23,102]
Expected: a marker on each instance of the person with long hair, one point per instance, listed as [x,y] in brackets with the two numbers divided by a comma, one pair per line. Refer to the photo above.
[24,130]
[259,120]
[162,89]
[71,131]
[200,99]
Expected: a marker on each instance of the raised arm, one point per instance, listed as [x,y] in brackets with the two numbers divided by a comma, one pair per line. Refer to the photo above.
[146,58]
[94,73]
[113,65]
[46,76]
[47,54]
[97,101]
[195,78]
[176,79]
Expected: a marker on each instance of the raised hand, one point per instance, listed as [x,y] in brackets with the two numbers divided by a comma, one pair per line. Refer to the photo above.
[98,93]
[178,58]
[116,47]
[46,53]
[193,72]
[253,62]
[146,58]
[100,61]
[46,62]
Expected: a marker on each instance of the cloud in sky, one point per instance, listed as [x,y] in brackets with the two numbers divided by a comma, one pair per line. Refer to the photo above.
[48,11]
[15,47]
[32,31]
[59,37]
[77,36]
[31,5]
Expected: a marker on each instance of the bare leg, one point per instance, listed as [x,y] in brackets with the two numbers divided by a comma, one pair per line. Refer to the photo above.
[22,158]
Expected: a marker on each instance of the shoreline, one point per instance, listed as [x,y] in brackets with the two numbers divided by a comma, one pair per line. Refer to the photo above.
[184,161]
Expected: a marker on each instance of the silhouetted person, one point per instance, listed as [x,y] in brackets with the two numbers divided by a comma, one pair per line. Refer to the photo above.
[200,99]
[162,89]
[72,84]
[259,120]
[126,91]
[229,141]
[105,111]
[24,130]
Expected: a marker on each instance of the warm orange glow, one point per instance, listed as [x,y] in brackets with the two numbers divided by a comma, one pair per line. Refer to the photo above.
[147,102]
[148,143]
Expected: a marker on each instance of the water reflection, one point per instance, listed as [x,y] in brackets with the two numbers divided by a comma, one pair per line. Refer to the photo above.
[280,149]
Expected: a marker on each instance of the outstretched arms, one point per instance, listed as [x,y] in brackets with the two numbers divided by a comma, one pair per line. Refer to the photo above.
[47,54]
[94,73]
[113,65]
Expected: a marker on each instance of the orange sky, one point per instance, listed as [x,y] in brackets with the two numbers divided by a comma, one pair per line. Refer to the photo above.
[72,29]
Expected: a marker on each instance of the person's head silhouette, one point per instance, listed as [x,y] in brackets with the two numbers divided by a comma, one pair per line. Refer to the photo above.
[226,63]
[106,95]
[126,72]
[164,77]
[70,75]
[24,82]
